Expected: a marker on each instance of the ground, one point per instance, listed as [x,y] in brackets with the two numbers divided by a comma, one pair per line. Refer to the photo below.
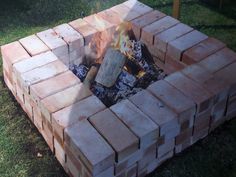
[215,156]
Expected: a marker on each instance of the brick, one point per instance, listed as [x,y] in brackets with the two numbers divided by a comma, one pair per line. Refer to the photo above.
[173,63]
[106,173]
[98,23]
[125,13]
[59,152]
[231,108]
[178,46]
[213,84]
[181,147]
[85,142]
[143,127]
[9,57]
[218,110]
[160,113]
[63,99]
[224,74]
[53,85]
[132,171]
[185,135]
[172,97]
[202,121]
[149,31]
[140,22]
[73,38]
[149,155]
[137,6]
[191,89]
[161,40]
[166,147]
[200,135]
[110,16]
[157,55]
[165,157]
[74,113]
[218,60]
[38,121]
[202,50]
[84,28]
[33,45]
[54,42]
[42,73]
[47,135]
[34,62]
[116,133]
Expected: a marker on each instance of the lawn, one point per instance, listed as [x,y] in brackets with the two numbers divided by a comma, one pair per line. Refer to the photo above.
[20,143]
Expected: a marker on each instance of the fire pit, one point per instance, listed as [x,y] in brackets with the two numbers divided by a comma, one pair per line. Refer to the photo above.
[119,92]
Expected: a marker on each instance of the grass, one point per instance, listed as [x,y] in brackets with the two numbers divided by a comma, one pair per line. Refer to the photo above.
[20,142]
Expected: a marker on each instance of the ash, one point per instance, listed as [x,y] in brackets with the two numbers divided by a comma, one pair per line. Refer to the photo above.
[139,72]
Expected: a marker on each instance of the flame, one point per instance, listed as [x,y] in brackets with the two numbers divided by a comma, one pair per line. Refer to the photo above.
[122,41]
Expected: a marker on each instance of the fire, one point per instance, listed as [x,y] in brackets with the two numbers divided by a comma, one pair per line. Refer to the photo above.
[122,41]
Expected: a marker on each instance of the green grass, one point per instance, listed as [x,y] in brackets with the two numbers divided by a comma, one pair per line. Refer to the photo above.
[20,142]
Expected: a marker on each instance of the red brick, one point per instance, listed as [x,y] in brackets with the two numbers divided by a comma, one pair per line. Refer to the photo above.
[158,56]
[202,121]
[137,6]
[178,46]
[140,22]
[85,142]
[161,40]
[125,13]
[149,31]
[33,45]
[143,127]
[185,135]
[173,63]
[42,73]
[191,89]
[54,42]
[218,60]
[148,156]
[74,39]
[31,63]
[9,57]
[132,171]
[116,133]
[172,97]
[161,114]
[63,99]
[53,85]
[228,74]
[74,113]
[202,50]
[110,16]
[169,145]
[85,29]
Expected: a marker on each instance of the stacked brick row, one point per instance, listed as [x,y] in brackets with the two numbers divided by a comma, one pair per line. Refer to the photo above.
[136,135]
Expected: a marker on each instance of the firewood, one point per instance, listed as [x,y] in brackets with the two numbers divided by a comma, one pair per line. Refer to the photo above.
[110,68]
[90,76]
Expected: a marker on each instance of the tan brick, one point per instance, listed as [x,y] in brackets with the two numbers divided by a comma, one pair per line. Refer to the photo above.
[53,85]
[140,22]
[110,16]
[185,135]
[172,97]
[160,113]
[85,29]
[42,73]
[59,152]
[191,89]
[202,50]
[74,113]
[149,31]
[63,99]
[116,133]
[143,127]
[178,46]
[161,40]
[176,64]
[85,142]
[73,38]
[166,147]
[33,45]
[47,135]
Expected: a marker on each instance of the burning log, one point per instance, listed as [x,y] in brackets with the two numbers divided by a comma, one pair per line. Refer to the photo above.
[110,68]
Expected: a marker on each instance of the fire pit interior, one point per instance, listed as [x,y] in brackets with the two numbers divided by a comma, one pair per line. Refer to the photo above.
[119,92]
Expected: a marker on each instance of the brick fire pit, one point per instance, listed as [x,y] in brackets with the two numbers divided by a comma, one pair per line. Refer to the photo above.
[136,135]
